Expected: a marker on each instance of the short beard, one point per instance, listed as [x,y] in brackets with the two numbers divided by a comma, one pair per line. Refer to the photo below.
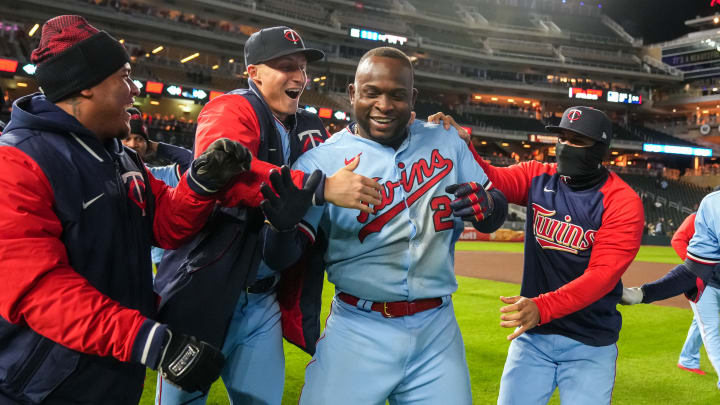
[394,141]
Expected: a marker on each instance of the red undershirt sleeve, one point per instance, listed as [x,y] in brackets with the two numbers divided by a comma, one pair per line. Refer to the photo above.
[681,238]
[514,181]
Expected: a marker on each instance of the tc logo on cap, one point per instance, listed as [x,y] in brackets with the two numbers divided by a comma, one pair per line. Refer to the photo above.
[291,35]
[574,115]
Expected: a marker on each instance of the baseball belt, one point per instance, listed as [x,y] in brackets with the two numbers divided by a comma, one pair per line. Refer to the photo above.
[396,308]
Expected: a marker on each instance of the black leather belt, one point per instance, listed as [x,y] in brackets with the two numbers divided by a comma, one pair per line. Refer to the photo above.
[263,285]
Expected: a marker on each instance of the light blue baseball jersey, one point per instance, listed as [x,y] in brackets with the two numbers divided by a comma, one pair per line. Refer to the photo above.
[168,175]
[405,250]
[704,246]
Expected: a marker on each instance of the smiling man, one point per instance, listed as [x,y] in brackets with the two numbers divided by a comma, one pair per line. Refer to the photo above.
[392,333]
[232,301]
[78,214]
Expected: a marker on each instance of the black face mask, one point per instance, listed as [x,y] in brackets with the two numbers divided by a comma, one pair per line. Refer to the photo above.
[581,167]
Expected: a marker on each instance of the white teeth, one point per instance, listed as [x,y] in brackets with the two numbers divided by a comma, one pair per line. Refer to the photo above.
[383,120]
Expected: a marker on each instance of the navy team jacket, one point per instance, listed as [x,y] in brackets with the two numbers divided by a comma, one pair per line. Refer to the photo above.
[577,246]
[77,219]
[200,282]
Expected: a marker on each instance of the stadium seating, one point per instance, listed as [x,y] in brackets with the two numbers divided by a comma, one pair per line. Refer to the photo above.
[514,46]
[675,201]
[435,8]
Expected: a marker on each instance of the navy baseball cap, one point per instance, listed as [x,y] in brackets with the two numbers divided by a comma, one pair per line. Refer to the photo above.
[274,42]
[585,121]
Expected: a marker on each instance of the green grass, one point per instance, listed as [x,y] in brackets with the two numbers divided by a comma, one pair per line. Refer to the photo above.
[655,254]
[649,345]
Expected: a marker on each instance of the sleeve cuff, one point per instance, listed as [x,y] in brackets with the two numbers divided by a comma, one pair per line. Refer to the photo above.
[149,343]
[196,186]
[544,314]
[319,194]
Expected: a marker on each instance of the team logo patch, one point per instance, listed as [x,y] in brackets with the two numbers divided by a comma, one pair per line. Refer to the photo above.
[291,35]
[565,236]
[422,174]
[574,115]
[310,139]
[135,184]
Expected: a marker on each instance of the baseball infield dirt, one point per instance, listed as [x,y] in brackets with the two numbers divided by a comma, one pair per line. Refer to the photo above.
[507,267]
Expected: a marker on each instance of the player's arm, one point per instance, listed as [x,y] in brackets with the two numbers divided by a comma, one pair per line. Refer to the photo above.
[291,218]
[39,287]
[232,116]
[41,290]
[180,212]
[476,200]
[701,263]
[681,237]
[514,181]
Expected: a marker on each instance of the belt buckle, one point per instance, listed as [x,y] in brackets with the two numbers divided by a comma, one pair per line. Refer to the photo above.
[385,312]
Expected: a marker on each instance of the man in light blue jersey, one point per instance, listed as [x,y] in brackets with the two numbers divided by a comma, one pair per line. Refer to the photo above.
[697,278]
[392,333]
[181,159]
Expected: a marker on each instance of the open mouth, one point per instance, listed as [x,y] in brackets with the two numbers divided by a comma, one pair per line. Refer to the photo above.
[293,94]
[382,120]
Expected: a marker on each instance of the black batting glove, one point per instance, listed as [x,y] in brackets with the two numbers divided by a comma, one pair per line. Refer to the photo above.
[284,210]
[223,160]
[189,363]
[472,202]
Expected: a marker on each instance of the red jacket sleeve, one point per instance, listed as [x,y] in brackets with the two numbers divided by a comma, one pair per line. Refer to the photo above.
[232,116]
[37,278]
[615,246]
[681,238]
[514,181]
[179,212]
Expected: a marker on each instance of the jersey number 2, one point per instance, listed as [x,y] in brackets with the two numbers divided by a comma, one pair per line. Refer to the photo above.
[442,216]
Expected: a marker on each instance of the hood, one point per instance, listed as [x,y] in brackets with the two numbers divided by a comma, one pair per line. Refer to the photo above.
[35,113]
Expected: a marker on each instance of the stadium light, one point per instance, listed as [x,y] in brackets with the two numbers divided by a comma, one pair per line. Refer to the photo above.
[122,40]
[215,67]
[324,112]
[154,87]
[158,49]
[231,61]
[716,20]
[153,102]
[33,29]
[29,69]
[174,90]
[190,57]
[8,65]
[21,84]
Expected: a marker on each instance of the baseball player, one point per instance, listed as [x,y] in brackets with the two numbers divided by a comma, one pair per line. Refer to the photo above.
[690,354]
[170,174]
[78,214]
[392,333]
[216,287]
[584,227]
[698,280]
